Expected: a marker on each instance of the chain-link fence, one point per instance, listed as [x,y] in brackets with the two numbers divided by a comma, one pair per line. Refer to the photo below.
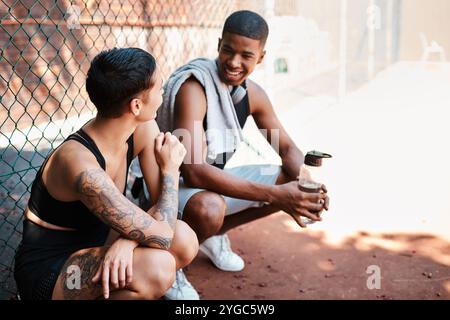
[46,49]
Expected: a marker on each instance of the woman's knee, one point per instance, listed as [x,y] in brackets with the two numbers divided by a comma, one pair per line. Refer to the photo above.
[185,244]
[157,270]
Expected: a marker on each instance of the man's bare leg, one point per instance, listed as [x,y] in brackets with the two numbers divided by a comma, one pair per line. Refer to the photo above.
[246,216]
[205,213]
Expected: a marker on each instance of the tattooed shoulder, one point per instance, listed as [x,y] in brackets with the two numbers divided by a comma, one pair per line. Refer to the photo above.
[90,180]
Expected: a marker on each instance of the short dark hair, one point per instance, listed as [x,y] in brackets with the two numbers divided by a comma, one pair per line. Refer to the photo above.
[116,76]
[248,24]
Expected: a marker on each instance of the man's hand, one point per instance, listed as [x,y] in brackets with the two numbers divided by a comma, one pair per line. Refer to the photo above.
[117,266]
[289,198]
[169,152]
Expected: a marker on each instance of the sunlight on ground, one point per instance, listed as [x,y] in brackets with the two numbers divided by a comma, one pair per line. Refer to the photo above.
[447,286]
[389,141]
[407,244]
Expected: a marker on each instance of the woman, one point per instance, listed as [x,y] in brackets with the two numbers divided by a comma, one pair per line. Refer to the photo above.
[78,196]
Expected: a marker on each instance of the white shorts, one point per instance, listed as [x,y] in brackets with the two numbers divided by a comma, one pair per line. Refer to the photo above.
[263,174]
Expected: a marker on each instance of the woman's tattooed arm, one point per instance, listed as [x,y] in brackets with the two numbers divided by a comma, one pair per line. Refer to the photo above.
[167,206]
[99,193]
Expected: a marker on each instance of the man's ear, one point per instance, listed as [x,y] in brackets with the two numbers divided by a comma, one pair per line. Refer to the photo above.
[135,106]
[218,44]
[261,57]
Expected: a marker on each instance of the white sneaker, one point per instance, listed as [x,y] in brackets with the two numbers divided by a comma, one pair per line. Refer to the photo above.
[218,249]
[181,289]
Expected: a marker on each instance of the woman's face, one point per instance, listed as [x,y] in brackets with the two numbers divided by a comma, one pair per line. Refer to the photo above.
[152,98]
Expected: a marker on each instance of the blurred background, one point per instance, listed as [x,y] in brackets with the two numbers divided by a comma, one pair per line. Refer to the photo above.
[365,80]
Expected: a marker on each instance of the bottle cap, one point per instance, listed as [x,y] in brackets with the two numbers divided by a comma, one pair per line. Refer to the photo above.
[314,158]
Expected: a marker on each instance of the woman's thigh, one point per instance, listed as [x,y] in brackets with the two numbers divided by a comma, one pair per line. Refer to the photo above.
[75,279]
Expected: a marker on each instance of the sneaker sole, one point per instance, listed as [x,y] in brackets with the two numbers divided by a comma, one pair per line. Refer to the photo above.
[210,255]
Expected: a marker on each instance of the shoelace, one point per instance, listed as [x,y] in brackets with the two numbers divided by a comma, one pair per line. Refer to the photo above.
[225,245]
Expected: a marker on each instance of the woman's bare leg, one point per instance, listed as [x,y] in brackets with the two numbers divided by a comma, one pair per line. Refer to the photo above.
[184,246]
[153,274]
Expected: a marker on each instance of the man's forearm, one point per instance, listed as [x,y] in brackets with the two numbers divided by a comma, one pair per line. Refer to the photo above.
[205,176]
[291,162]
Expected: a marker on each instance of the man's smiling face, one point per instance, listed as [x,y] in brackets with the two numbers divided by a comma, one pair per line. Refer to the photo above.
[238,57]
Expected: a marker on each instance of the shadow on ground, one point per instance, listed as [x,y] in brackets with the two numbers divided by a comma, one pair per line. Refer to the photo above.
[285,262]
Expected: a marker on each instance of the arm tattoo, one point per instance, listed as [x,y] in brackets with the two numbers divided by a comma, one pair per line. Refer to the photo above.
[163,243]
[137,235]
[152,240]
[168,202]
[104,199]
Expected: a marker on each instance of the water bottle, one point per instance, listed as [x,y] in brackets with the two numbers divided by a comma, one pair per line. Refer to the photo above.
[308,179]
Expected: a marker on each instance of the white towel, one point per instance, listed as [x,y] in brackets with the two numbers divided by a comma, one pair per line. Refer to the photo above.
[223,132]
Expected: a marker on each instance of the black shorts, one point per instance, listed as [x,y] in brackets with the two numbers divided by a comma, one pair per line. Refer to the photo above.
[41,256]
[36,279]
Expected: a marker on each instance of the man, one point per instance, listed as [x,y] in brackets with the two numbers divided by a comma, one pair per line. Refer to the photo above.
[214,198]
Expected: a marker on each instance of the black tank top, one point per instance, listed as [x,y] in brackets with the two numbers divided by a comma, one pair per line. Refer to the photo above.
[242,112]
[73,214]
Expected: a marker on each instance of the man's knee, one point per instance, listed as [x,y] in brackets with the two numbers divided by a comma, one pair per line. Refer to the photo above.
[205,212]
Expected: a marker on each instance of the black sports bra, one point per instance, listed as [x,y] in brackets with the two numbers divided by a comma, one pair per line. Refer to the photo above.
[73,214]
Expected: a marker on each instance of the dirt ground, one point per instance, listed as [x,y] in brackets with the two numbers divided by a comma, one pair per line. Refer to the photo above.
[388,182]
[285,262]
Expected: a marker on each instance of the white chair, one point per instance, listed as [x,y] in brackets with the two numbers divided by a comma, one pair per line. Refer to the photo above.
[431,48]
